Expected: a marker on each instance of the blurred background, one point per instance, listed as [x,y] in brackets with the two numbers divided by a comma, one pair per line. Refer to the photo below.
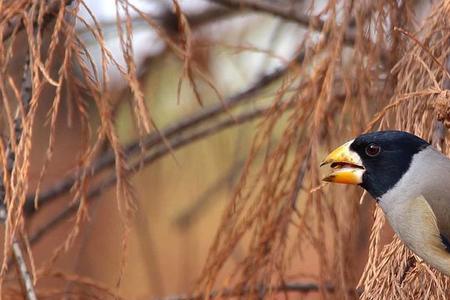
[214,116]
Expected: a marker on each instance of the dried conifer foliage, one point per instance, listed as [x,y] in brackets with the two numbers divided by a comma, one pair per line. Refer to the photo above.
[369,69]
[40,38]
[361,65]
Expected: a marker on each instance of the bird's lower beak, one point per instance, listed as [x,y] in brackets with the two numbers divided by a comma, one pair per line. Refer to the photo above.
[346,166]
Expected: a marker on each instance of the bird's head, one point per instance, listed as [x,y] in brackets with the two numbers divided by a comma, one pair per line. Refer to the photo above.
[376,161]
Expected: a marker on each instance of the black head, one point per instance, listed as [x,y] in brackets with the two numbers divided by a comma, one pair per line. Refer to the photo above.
[386,156]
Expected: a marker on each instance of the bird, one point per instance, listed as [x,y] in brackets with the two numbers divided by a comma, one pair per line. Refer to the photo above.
[410,181]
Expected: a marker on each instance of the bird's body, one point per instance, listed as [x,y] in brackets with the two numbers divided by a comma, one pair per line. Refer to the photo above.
[410,181]
[418,207]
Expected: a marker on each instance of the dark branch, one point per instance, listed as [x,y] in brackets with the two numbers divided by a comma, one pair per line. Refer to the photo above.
[283,11]
[168,20]
[298,287]
[299,180]
[176,143]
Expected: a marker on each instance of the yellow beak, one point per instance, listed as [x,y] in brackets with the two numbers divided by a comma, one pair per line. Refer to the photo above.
[347,166]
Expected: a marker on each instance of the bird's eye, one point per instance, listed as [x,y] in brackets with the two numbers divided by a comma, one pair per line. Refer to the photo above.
[373,150]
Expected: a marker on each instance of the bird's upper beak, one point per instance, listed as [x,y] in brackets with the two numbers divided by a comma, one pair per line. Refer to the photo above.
[346,164]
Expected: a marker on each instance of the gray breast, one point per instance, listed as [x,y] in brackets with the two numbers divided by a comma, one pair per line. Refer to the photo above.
[428,176]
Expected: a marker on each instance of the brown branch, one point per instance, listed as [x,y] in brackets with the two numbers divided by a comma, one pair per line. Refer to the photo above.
[299,180]
[25,276]
[107,159]
[169,21]
[296,287]
[176,143]
[283,11]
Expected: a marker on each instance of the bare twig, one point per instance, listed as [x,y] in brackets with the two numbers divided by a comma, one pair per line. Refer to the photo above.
[168,20]
[299,180]
[23,270]
[153,139]
[283,11]
[297,287]
[161,151]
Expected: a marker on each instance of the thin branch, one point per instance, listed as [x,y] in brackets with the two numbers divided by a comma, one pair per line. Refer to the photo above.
[23,271]
[26,95]
[169,21]
[283,11]
[297,287]
[176,143]
[107,159]
[299,180]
